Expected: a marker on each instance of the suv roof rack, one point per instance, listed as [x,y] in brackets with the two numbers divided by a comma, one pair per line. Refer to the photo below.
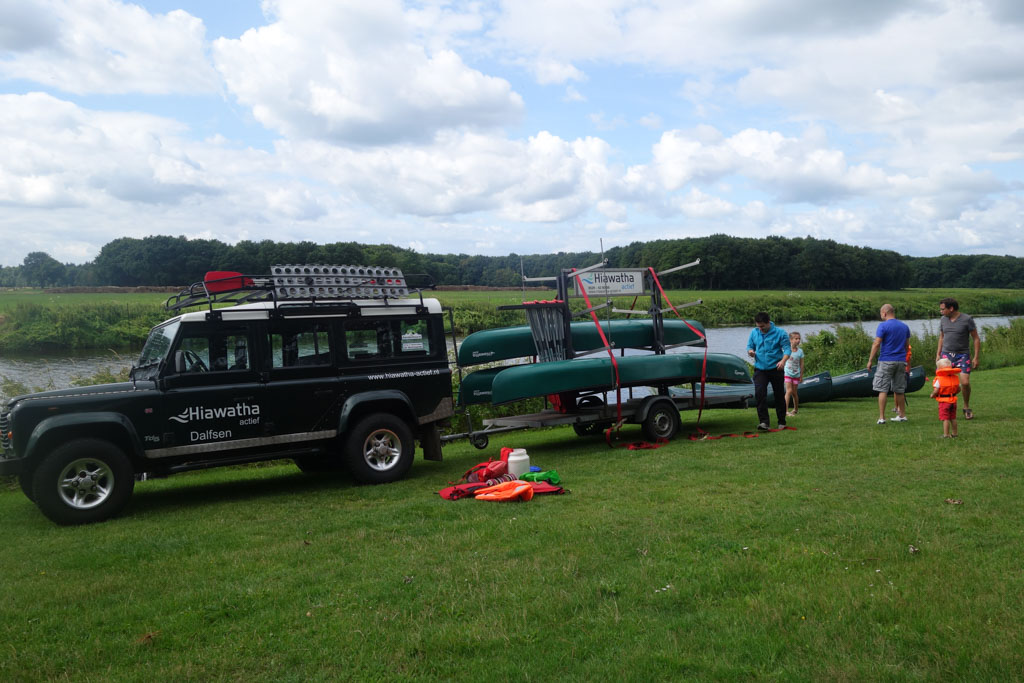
[294,283]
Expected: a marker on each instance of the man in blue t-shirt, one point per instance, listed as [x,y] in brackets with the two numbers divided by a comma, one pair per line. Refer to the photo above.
[892,339]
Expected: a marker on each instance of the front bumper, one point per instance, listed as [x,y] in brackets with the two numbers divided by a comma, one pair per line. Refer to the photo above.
[9,466]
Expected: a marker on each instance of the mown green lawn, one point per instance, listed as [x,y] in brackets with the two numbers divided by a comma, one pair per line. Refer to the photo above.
[786,556]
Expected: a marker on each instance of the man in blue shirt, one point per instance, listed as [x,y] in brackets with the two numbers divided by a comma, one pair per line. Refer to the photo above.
[769,346]
[893,340]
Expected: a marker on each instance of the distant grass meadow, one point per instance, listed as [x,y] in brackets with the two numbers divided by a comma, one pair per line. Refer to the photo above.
[839,551]
[34,321]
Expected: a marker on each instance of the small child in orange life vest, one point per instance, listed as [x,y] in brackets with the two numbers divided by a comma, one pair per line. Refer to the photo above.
[945,389]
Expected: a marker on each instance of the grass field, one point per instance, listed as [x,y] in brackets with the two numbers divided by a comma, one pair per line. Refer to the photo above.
[10,298]
[839,551]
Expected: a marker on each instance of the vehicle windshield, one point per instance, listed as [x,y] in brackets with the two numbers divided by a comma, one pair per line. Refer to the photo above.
[155,350]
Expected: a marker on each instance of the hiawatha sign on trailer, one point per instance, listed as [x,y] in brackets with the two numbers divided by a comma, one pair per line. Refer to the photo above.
[610,283]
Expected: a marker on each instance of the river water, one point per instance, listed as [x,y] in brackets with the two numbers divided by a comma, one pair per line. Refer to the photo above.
[57,371]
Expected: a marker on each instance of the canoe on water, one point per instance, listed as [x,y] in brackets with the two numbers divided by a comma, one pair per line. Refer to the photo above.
[503,343]
[583,374]
[858,384]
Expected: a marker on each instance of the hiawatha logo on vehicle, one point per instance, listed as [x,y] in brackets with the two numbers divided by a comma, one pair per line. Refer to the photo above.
[249,412]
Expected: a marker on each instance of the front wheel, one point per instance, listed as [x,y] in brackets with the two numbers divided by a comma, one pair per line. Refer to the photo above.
[83,481]
[25,481]
[379,449]
[662,422]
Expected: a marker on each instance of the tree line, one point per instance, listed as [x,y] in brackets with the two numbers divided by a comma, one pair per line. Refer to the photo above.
[726,263]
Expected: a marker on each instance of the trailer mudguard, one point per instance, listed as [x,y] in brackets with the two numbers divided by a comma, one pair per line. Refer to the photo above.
[647,404]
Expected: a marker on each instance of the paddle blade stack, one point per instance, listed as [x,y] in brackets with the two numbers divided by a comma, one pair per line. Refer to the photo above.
[329,282]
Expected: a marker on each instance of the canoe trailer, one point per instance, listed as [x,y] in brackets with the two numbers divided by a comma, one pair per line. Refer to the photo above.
[586,411]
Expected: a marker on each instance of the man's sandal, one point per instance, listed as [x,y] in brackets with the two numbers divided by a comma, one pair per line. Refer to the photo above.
[968,414]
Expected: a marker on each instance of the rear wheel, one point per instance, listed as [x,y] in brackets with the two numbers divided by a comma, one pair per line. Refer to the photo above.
[662,422]
[83,481]
[379,449]
[319,464]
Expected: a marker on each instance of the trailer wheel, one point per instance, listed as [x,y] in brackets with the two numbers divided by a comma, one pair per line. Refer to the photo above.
[83,481]
[590,428]
[480,441]
[379,449]
[662,422]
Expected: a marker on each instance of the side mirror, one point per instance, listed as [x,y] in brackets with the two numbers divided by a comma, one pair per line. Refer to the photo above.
[179,362]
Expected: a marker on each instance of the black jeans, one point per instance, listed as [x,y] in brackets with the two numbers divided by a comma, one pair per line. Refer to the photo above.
[762,378]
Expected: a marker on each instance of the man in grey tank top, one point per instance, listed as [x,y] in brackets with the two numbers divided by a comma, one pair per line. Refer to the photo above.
[956,329]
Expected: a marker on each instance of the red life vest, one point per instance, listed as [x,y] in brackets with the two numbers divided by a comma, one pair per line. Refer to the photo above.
[949,384]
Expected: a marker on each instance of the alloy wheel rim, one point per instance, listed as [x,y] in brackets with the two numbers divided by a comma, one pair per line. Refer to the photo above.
[382,449]
[85,483]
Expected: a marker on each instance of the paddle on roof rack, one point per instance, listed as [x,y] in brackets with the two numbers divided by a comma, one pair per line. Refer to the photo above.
[291,283]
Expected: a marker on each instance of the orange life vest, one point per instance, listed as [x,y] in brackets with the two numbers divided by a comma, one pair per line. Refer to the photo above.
[507,490]
[949,383]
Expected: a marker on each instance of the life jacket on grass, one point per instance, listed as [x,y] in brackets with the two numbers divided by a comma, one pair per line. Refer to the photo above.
[460,491]
[949,384]
[516,489]
[483,471]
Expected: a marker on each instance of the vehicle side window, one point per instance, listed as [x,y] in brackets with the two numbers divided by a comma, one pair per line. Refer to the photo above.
[216,352]
[414,338]
[380,339]
[302,344]
[366,340]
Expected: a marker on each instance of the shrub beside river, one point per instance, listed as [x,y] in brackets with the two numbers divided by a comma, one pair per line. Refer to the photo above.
[76,322]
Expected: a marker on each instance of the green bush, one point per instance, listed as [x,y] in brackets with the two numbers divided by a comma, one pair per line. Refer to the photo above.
[34,327]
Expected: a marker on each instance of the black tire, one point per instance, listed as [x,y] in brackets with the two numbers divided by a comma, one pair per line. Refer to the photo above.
[590,428]
[25,481]
[83,481]
[480,442]
[379,449]
[662,422]
[319,464]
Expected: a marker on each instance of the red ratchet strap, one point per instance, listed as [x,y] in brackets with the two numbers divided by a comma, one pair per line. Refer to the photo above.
[704,367]
[644,445]
[704,436]
[615,364]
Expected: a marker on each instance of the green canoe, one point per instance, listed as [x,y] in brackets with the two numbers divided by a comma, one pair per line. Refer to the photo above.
[539,379]
[811,390]
[476,386]
[503,343]
[814,388]
[858,384]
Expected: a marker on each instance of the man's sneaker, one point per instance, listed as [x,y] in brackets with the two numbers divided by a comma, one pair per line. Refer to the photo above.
[762,427]
[880,421]
[899,419]
[782,425]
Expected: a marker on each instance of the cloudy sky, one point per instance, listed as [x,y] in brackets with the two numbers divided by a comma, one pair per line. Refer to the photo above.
[525,126]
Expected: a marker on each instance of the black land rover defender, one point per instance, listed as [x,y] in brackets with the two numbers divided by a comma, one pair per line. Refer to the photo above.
[332,366]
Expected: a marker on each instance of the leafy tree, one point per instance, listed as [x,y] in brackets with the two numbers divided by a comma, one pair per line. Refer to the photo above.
[39,269]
